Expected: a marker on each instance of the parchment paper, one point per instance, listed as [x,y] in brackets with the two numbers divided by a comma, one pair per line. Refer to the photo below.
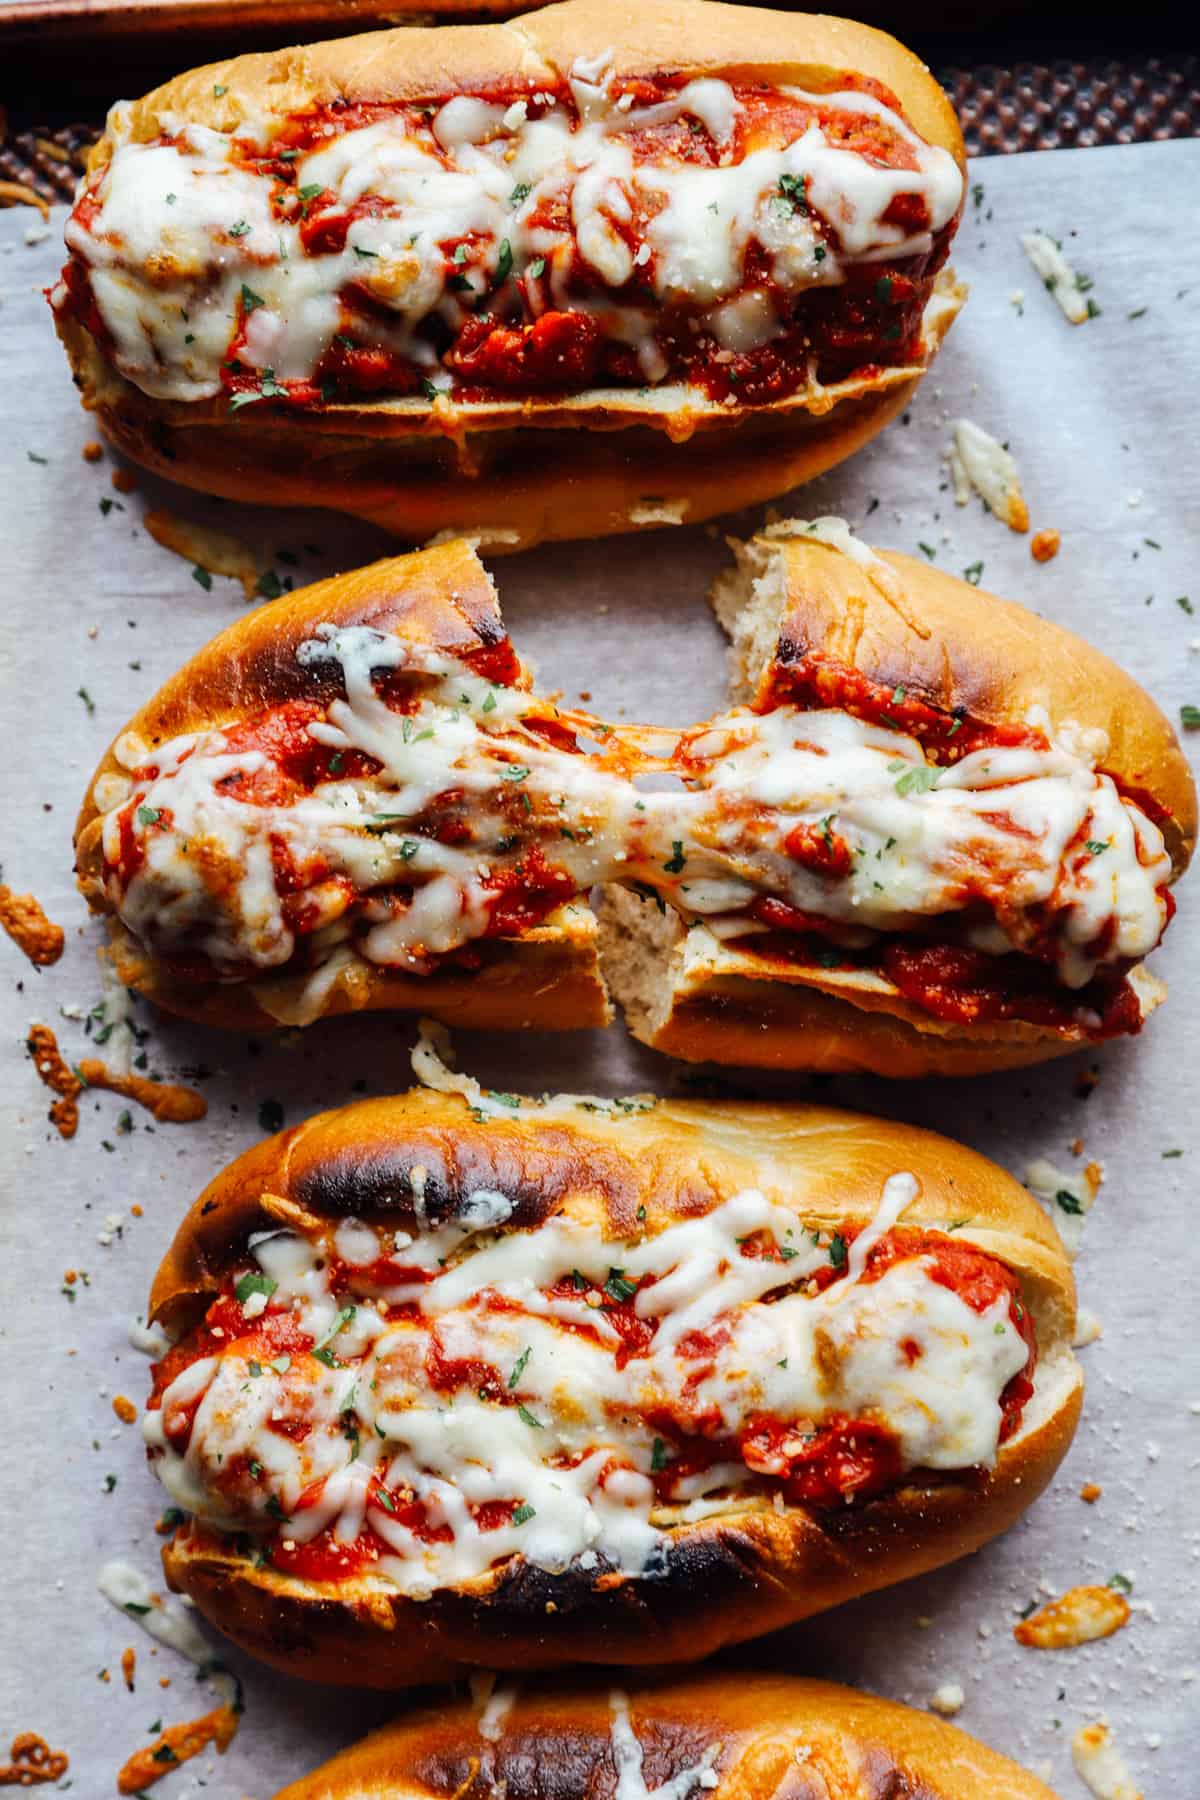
[1101,419]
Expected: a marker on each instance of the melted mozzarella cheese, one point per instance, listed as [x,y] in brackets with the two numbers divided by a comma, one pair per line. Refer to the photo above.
[1018,829]
[533,1415]
[627,1755]
[1033,838]
[184,228]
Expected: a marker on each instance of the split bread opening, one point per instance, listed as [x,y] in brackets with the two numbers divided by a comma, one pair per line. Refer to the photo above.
[937,835]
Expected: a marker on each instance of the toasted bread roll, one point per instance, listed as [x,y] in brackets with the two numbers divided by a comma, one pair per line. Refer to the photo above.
[437,603]
[610,267]
[514,1384]
[819,621]
[941,836]
[734,1735]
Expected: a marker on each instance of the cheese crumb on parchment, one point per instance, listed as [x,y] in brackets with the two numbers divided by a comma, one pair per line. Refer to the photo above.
[1079,1616]
[980,461]
[1101,1766]
[1068,1198]
[1058,277]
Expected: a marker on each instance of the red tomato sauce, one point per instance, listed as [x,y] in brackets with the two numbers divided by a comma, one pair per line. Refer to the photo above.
[822,1464]
[950,981]
[517,340]
[809,679]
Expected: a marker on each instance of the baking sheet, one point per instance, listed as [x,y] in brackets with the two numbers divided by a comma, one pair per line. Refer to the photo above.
[1101,420]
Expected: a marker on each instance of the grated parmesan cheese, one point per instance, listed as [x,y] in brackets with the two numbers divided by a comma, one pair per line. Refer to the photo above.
[980,461]
[1058,277]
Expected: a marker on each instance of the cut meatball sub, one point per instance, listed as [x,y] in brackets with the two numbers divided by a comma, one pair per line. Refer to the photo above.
[756,1737]
[478,1381]
[952,829]
[940,835]
[611,266]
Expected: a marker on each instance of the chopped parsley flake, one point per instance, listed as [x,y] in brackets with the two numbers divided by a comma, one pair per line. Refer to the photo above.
[253,1283]
[918,780]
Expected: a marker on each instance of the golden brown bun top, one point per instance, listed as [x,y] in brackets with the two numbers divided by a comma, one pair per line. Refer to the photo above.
[442,599]
[958,646]
[645,38]
[625,1171]
[769,1737]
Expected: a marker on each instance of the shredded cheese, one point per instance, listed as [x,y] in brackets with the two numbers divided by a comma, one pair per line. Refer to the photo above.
[980,461]
[1101,1766]
[552,1455]
[839,819]
[1058,277]
[178,231]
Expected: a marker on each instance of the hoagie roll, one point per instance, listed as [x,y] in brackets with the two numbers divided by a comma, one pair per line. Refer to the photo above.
[461,1379]
[732,1732]
[609,267]
[938,833]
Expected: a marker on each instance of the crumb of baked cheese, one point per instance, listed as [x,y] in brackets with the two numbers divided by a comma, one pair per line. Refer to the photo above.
[1044,545]
[980,461]
[1100,1764]
[1079,1616]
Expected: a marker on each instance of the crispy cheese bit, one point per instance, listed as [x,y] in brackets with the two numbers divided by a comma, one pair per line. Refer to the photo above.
[980,461]
[22,917]
[1079,1616]
[1101,1766]
[217,552]
[947,1699]
[92,451]
[1090,1492]
[125,1410]
[124,480]
[1067,1197]
[129,1665]
[1058,277]
[169,1101]
[178,1744]
[15,193]
[1044,545]
[32,1760]
[59,1077]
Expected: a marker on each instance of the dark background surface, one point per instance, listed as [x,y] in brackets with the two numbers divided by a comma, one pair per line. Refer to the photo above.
[1023,75]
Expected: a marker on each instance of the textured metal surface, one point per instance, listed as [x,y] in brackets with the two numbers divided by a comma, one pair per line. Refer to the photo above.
[1099,101]
[1031,106]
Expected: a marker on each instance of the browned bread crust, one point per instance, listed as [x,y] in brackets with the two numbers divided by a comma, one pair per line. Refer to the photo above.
[501,470]
[442,599]
[769,1737]
[685,993]
[729,1577]
[905,627]
[958,646]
